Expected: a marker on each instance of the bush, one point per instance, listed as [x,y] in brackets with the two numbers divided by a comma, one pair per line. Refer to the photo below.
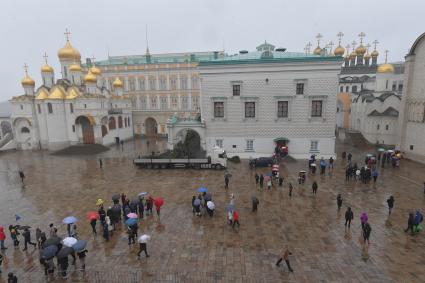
[235,159]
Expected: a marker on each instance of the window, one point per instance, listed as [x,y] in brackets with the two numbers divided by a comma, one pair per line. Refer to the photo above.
[185,103]
[132,84]
[219,143]
[411,147]
[154,102]
[152,83]
[73,128]
[25,130]
[341,89]
[236,90]
[22,107]
[119,122]
[386,84]
[300,88]
[112,123]
[387,127]
[71,108]
[282,109]
[174,102]
[183,83]
[218,109]
[143,102]
[394,87]
[354,88]
[163,83]
[314,146]
[249,109]
[39,108]
[249,145]
[195,103]
[400,87]
[316,108]
[377,127]
[195,83]
[85,106]
[173,83]
[49,108]
[142,83]
[164,102]
[347,89]
[128,122]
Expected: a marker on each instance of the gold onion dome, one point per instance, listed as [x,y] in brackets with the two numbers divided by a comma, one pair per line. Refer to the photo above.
[385,68]
[57,93]
[360,50]
[374,53]
[27,81]
[353,54]
[90,78]
[317,50]
[68,52]
[367,56]
[95,70]
[117,83]
[339,51]
[43,94]
[46,69]
[75,68]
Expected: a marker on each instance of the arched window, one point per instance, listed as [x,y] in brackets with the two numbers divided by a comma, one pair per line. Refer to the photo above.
[119,122]
[125,122]
[49,108]
[104,130]
[129,121]
[25,130]
[112,123]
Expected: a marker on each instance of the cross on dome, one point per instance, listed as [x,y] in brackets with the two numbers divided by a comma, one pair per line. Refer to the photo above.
[319,37]
[361,35]
[25,68]
[340,35]
[375,42]
[45,57]
[67,33]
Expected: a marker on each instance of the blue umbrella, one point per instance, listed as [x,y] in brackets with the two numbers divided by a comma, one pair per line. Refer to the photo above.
[131,221]
[269,174]
[80,245]
[230,207]
[69,220]
[49,252]
[17,217]
[202,190]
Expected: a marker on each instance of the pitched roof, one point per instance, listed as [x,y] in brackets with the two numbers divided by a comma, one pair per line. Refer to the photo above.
[389,112]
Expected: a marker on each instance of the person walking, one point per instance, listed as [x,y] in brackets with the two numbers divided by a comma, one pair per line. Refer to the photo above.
[102,214]
[255,203]
[27,239]
[21,175]
[363,218]
[1,261]
[82,257]
[38,237]
[100,163]
[93,225]
[285,256]
[14,235]
[257,178]
[11,278]
[314,187]
[226,181]
[366,232]
[262,181]
[349,215]
[410,224]
[375,175]
[349,156]
[339,201]
[331,163]
[235,218]
[424,188]
[269,183]
[290,189]
[131,235]
[2,238]
[390,202]
[141,207]
[106,230]
[142,248]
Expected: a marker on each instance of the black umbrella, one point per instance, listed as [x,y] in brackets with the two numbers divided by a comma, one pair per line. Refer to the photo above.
[19,227]
[207,197]
[254,198]
[135,201]
[49,252]
[52,241]
[116,197]
[64,252]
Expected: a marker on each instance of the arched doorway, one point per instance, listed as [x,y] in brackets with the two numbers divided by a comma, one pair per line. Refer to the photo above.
[23,128]
[189,143]
[86,129]
[151,127]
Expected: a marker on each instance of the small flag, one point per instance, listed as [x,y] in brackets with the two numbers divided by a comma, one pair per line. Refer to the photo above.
[17,217]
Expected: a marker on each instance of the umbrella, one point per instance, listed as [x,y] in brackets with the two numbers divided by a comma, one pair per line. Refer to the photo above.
[49,252]
[391,151]
[69,241]
[269,174]
[79,245]
[369,155]
[159,202]
[52,241]
[381,149]
[313,164]
[211,205]
[197,202]
[91,215]
[17,217]
[131,221]
[22,227]
[116,197]
[64,252]
[144,238]
[69,220]
[254,198]
[142,194]
[99,201]
[132,215]
[135,201]
[207,197]
[202,190]
[230,207]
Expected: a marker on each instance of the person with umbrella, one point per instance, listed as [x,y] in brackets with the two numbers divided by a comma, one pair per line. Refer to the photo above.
[261,181]
[141,206]
[102,214]
[14,235]
[235,218]
[27,239]
[82,258]
[158,203]
[2,238]
[149,205]
[363,218]
[143,245]
[210,208]
[197,206]
[193,204]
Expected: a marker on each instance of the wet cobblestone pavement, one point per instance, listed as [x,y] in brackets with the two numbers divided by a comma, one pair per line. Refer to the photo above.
[186,248]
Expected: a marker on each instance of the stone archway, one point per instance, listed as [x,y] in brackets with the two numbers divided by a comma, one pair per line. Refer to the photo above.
[151,127]
[86,129]
[189,142]
[23,131]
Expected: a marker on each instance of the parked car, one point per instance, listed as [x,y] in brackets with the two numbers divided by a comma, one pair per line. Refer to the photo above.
[261,162]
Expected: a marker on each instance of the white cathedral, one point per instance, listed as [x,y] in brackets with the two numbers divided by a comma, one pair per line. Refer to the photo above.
[71,110]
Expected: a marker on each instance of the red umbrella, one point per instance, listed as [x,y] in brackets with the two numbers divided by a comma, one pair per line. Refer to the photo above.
[159,202]
[91,215]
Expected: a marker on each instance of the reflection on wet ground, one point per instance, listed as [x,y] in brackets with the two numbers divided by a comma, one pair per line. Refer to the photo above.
[189,248]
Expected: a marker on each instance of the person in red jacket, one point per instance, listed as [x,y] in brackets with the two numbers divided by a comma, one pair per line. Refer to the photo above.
[2,238]
[235,218]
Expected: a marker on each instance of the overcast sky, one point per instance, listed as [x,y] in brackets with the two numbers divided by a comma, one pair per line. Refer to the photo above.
[29,28]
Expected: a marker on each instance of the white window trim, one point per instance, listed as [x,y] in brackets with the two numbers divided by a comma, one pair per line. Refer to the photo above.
[217,143]
[303,81]
[314,150]
[324,99]
[254,99]
[253,145]
[240,88]
[219,99]
[288,98]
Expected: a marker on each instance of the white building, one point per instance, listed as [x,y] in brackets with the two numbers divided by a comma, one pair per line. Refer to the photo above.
[73,109]
[251,99]
[411,135]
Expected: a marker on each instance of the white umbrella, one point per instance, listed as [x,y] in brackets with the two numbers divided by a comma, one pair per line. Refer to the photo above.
[69,241]
[211,205]
[144,238]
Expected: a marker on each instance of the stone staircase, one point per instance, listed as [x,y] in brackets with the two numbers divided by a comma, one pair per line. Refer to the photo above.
[355,139]
[7,138]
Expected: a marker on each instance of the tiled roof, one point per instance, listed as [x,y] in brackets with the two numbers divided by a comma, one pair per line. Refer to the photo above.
[389,112]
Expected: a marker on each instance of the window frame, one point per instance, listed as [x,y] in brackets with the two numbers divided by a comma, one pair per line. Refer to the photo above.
[299,88]
[49,108]
[236,89]
[219,143]
[214,107]
[249,145]
[218,99]
[314,148]
[314,101]
[246,110]
[278,109]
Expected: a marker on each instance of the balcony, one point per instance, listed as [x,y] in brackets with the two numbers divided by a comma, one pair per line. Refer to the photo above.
[115,111]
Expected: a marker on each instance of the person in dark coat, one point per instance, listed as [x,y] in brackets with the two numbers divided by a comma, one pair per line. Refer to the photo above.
[63,263]
[410,223]
[255,203]
[349,156]
[257,178]
[339,201]
[226,181]
[131,235]
[105,231]
[290,189]
[11,278]
[82,257]
[280,181]
[366,232]
[27,239]
[261,181]
[314,187]
[141,207]
[93,225]
[22,176]
[349,215]
[100,163]
[102,215]
[390,202]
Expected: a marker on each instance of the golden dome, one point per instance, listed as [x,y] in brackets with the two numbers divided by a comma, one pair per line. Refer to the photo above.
[117,83]
[367,56]
[27,81]
[75,68]
[317,51]
[360,50]
[46,69]
[90,78]
[57,93]
[385,68]
[374,53]
[339,51]
[68,52]
[73,93]
[95,70]
[353,54]
[42,94]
